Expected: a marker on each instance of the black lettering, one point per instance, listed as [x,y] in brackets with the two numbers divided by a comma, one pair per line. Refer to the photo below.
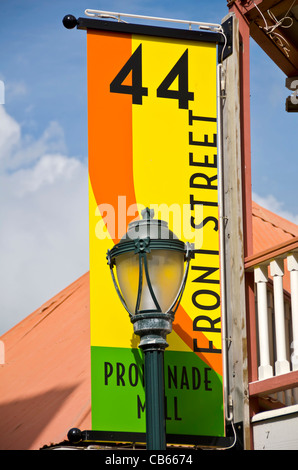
[168,418]
[140,407]
[180,71]
[184,379]
[196,378]
[208,179]
[120,373]
[133,377]
[207,272]
[176,417]
[205,163]
[108,368]
[204,222]
[206,380]
[213,306]
[192,118]
[210,348]
[211,328]
[205,142]
[133,66]
[172,377]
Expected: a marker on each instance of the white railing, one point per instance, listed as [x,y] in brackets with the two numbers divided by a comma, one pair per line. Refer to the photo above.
[276,296]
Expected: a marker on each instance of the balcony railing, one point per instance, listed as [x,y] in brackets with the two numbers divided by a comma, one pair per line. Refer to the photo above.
[276,323]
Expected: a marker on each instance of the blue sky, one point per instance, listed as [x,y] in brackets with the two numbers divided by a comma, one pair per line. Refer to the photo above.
[43,142]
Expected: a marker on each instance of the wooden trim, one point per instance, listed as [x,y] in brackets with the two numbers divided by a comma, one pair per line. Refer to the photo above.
[276,54]
[252,16]
[276,384]
[278,6]
[264,257]
[237,146]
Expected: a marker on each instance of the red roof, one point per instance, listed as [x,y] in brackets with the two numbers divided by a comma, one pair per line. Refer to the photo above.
[270,229]
[45,381]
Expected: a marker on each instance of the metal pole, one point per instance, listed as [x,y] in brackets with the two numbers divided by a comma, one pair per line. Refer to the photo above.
[153,328]
[155,399]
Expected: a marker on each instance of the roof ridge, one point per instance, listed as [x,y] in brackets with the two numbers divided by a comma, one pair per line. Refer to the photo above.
[270,217]
[51,311]
[55,305]
[274,225]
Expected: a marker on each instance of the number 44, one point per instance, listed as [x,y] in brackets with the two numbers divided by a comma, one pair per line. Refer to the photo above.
[136,89]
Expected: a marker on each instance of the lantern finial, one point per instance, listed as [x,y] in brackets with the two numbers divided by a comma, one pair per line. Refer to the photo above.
[147,213]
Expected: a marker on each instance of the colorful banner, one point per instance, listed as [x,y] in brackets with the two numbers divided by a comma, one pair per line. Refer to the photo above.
[152,123]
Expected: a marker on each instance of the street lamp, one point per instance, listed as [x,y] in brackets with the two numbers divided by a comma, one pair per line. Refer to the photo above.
[150,280]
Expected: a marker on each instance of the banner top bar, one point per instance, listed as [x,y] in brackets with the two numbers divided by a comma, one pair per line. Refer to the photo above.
[110,14]
[157,31]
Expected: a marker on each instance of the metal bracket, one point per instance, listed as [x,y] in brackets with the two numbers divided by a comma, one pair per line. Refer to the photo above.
[226,49]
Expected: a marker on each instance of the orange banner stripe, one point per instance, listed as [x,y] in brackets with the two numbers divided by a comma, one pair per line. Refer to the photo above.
[184,328]
[110,123]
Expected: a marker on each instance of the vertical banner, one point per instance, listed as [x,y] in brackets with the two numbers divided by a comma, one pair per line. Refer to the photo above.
[152,131]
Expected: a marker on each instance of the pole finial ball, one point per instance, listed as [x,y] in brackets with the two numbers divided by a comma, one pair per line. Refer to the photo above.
[74,435]
[69,21]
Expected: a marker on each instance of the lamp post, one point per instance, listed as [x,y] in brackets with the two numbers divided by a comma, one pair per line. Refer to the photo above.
[150,280]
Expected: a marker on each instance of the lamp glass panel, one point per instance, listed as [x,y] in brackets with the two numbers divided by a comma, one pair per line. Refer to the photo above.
[166,269]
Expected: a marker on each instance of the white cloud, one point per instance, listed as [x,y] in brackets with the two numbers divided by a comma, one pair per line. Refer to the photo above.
[10,133]
[19,151]
[43,217]
[272,204]
[48,170]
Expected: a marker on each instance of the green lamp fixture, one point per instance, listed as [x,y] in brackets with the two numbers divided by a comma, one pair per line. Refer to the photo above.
[151,266]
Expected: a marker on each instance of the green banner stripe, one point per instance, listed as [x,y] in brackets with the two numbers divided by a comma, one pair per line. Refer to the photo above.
[194,397]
